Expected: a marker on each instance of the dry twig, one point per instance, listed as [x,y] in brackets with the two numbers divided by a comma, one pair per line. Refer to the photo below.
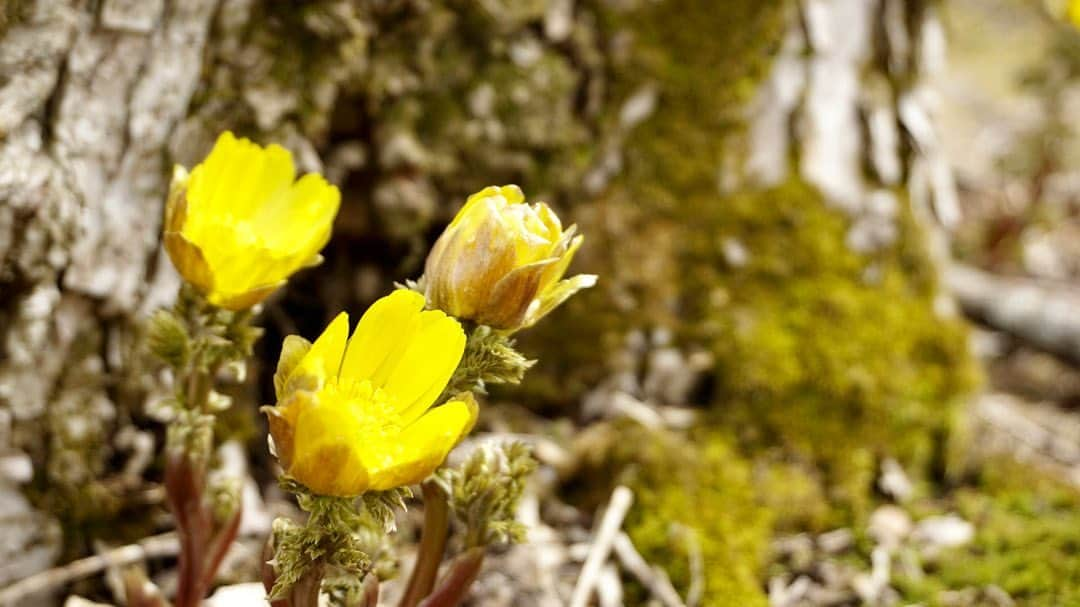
[165,544]
[616,511]
[652,578]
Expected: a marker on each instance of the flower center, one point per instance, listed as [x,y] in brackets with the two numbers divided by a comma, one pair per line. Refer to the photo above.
[373,408]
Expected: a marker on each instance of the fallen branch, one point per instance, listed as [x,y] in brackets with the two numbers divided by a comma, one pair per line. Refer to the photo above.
[156,546]
[1041,434]
[652,578]
[600,549]
[1038,313]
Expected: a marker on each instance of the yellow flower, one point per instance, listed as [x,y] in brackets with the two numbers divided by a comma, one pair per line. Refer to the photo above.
[240,223]
[501,261]
[353,413]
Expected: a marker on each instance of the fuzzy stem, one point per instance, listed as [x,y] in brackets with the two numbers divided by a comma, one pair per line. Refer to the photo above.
[219,544]
[185,489]
[455,585]
[203,543]
[198,389]
[305,592]
[432,545]
[371,592]
[269,574]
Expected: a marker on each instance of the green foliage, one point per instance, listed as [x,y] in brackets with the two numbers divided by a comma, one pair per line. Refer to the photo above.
[485,491]
[1027,540]
[201,336]
[693,495]
[490,358]
[342,537]
[191,431]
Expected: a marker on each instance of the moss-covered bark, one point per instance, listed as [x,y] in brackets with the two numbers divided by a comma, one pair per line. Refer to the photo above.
[828,355]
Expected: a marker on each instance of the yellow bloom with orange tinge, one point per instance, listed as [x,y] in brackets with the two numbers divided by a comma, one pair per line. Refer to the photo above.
[240,223]
[500,262]
[355,413]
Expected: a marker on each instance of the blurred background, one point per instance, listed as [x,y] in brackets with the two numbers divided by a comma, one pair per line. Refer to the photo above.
[835,345]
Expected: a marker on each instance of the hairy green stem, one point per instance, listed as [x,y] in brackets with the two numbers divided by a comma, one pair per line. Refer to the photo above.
[371,592]
[198,387]
[305,592]
[455,585]
[432,545]
[203,539]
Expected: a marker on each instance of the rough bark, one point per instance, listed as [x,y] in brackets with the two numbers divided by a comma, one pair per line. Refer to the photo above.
[89,101]
[847,109]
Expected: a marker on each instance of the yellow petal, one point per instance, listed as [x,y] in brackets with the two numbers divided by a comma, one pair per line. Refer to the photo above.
[482,251]
[484,197]
[293,350]
[246,299]
[238,175]
[556,294]
[569,245]
[514,294]
[327,440]
[323,360]
[425,367]
[299,217]
[527,233]
[189,261]
[247,268]
[512,194]
[176,203]
[423,446]
[550,219]
[281,420]
[381,336]
[253,225]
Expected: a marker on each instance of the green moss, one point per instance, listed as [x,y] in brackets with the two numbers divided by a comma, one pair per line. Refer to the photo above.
[704,63]
[826,359]
[793,492]
[1027,540]
[691,494]
[836,356]
[832,357]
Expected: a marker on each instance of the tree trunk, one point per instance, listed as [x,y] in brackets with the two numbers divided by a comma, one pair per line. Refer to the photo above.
[847,100]
[88,109]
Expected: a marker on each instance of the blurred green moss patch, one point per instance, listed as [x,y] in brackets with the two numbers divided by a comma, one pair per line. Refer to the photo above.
[695,507]
[1027,540]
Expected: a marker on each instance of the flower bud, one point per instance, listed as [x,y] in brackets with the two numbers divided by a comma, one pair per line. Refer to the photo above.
[500,262]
